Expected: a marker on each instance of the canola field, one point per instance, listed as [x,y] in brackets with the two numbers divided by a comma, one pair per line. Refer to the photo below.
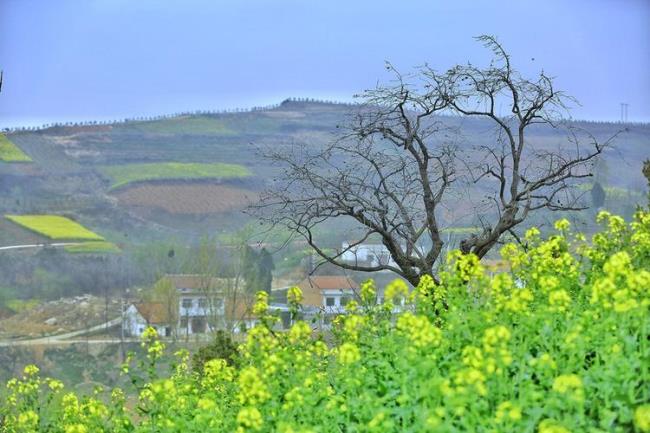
[9,152]
[55,227]
[558,343]
[125,174]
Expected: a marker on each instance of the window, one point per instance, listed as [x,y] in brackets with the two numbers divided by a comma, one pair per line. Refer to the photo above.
[330,302]
[187,303]
[184,322]
[344,301]
[203,303]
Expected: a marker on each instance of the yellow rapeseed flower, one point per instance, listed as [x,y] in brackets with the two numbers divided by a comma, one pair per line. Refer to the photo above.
[559,300]
[419,330]
[294,295]
[570,385]
[348,353]
[642,418]
[252,389]
[507,411]
[551,426]
[249,419]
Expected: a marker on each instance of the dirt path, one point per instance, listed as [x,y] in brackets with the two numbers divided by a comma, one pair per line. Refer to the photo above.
[59,244]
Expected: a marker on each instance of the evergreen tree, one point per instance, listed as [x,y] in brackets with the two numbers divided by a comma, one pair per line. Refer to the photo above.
[598,195]
[251,269]
[265,270]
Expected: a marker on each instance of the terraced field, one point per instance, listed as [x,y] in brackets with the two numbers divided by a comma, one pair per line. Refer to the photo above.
[125,174]
[187,198]
[9,152]
[55,227]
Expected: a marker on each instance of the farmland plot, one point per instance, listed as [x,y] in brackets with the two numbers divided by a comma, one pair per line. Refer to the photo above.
[55,227]
[9,152]
[125,174]
[187,198]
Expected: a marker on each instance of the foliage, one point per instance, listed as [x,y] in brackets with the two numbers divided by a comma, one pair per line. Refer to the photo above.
[93,247]
[55,227]
[20,305]
[259,268]
[9,152]
[646,173]
[557,344]
[221,347]
[125,174]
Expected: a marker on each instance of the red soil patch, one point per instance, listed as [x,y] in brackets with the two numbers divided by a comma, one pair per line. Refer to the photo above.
[187,198]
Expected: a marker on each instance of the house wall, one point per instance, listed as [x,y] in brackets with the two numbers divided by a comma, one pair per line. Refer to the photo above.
[134,324]
[311,296]
[336,295]
[195,309]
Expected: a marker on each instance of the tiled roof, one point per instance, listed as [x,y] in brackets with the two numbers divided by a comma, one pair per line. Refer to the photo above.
[153,312]
[329,282]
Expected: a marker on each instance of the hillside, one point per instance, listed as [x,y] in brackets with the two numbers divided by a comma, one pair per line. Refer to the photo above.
[76,167]
[187,176]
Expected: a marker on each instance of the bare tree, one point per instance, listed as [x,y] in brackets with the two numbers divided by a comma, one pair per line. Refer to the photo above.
[398,164]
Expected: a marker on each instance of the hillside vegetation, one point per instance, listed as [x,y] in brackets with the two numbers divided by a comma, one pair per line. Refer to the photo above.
[125,174]
[92,247]
[9,152]
[557,344]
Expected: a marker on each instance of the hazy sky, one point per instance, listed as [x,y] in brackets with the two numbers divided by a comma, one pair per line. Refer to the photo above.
[96,59]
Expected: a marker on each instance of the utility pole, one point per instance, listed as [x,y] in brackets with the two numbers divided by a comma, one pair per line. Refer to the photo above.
[624,109]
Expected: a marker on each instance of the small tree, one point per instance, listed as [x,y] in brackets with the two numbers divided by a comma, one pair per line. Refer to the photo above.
[646,173]
[259,268]
[266,267]
[598,195]
[397,165]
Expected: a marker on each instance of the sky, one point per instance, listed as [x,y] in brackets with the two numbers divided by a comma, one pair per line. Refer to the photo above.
[67,60]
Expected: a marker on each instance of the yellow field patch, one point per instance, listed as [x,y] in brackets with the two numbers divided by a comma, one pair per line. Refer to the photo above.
[54,227]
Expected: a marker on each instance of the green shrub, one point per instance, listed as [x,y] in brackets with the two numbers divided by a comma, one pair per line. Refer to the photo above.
[221,347]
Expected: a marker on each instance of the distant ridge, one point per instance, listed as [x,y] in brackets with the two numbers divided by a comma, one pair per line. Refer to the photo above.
[301,103]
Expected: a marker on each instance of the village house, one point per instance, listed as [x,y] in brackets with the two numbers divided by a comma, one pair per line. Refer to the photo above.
[197,305]
[139,316]
[329,293]
[194,305]
[366,255]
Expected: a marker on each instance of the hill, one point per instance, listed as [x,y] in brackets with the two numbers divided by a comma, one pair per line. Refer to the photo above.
[185,176]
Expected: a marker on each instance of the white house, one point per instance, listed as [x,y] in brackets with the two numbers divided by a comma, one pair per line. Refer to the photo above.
[329,293]
[201,302]
[366,254]
[200,305]
[139,316]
